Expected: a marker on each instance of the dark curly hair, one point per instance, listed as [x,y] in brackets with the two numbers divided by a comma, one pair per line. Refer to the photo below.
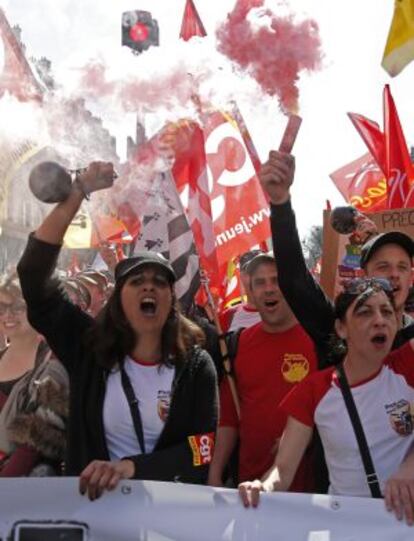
[111,337]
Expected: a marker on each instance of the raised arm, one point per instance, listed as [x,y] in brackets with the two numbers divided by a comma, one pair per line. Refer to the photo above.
[49,310]
[98,176]
[307,300]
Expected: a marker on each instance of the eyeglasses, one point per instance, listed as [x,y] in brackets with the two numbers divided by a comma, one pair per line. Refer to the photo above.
[357,286]
[15,309]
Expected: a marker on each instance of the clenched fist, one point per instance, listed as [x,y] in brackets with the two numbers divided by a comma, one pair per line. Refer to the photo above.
[97,176]
[276,176]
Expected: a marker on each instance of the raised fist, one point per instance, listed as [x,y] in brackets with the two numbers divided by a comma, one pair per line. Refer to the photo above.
[276,176]
[97,176]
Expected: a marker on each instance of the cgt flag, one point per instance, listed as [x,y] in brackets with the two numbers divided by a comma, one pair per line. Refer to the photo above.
[239,208]
[214,169]
[390,151]
[399,49]
[362,184]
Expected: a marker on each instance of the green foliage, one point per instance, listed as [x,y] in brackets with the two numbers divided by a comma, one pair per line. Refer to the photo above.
[312,246]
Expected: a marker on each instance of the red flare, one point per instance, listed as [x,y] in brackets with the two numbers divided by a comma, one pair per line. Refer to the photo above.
[274,54]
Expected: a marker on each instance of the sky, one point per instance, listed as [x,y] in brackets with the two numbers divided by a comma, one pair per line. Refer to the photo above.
[71,33]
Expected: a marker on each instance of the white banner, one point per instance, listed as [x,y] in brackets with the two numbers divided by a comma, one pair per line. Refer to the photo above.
[52,510]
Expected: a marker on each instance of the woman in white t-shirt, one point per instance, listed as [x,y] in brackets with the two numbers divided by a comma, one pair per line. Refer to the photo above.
[382,387]
[143,393]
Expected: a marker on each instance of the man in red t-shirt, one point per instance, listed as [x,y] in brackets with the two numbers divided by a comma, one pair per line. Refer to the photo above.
[272,357]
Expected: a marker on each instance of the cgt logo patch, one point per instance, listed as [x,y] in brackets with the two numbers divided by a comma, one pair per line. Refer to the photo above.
[202,447]
[295,367]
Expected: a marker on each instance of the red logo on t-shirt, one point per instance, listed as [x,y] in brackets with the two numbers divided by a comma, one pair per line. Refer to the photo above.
[202,446]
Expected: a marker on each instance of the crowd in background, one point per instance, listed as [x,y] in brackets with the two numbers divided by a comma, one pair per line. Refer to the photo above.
[102,376]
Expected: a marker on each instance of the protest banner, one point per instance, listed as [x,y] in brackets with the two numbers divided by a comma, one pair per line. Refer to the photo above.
[340,259]
[52,509]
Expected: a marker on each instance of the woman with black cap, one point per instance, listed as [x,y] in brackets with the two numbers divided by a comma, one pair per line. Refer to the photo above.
[143,393]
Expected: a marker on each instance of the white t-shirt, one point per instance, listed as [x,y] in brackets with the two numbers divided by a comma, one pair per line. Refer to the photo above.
[152,387]
[385,405]
[244,318]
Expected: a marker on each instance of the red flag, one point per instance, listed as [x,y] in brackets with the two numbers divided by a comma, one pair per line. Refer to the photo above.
[398,168]
[362,184]
[16,75]
[190,174]
[231,292]
[239,208]
[192,24]
[372,136]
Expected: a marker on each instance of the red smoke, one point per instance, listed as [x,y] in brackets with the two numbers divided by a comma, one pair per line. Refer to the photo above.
[169,90]
[275,54]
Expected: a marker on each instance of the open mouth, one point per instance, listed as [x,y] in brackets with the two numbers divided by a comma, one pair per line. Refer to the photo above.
[10,325]
[270,304]
[148,306]
[379,339]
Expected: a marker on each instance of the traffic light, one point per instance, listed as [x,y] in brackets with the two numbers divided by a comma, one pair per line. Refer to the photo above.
[139,30]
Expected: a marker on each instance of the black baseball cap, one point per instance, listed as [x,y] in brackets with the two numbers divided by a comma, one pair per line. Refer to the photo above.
[142,259]
[245,258]
[393,237]
[263,257]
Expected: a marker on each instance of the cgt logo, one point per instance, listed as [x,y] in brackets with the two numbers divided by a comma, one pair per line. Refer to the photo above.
[228,164]
[202,446]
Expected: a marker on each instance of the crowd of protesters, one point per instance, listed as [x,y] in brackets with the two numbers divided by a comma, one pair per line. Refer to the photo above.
[103,377]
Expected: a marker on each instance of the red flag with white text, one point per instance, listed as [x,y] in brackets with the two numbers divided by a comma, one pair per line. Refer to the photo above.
[362,184]
[239,208]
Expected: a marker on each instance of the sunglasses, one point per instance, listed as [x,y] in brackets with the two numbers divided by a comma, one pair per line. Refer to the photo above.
[15,309]
[357,286]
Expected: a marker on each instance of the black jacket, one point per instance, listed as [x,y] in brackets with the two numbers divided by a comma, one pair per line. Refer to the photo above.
[312,308]
[194,403]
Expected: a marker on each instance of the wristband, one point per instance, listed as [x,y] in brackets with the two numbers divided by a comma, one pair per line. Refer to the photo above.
[81,188]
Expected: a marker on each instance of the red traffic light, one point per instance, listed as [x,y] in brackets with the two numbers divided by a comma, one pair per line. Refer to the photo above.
[139,32]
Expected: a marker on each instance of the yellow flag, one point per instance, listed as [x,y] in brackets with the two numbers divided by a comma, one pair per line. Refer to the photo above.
[399,50]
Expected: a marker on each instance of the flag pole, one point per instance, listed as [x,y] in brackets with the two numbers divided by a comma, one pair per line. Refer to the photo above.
[222,343]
